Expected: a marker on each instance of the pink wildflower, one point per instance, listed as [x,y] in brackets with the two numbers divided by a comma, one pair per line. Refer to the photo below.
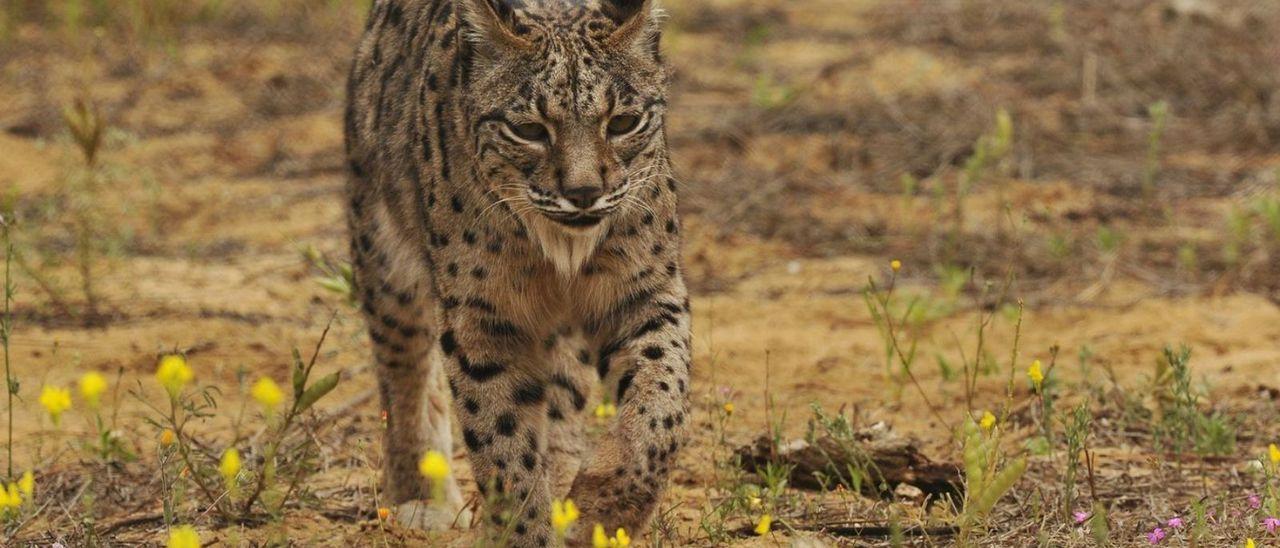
[1271,524]
[1255,502]
[1175,522]
[1155,536]
[1080,516]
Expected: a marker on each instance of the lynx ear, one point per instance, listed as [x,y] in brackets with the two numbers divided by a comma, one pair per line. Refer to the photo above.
[637,21]
[490,23]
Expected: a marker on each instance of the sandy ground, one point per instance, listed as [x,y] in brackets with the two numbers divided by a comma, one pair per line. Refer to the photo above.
[223,161]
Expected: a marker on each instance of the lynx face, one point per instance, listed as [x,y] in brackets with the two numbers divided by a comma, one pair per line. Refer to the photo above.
[566,107]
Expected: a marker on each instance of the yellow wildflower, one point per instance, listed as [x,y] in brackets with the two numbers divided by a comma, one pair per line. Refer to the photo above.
[600,540]
[27,484]
[174,374]
[1273,453]
[728,408]
[1248,543]
[10,498]
[766,523]
[896,265]
[988,420]
[92,385]
[563,514]
[229,467]
[56,401]
[167,437]
[1035,374]
[268,393]
[183,537]
[383,513]
[434,466]
[606,410]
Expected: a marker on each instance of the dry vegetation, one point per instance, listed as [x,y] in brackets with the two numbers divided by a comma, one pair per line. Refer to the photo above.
[1079,194]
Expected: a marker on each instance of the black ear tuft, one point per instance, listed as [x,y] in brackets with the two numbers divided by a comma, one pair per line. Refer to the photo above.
[503,9]
[636,20]
[492,22]
[621,11]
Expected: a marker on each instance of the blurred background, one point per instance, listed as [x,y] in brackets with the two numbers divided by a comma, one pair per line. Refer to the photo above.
[1086,181]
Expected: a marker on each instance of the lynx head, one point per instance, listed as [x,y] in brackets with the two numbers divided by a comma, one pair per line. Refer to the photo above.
[564,102]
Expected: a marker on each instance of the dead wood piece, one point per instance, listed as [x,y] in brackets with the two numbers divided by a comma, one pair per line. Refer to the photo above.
[883,462]
[870,530]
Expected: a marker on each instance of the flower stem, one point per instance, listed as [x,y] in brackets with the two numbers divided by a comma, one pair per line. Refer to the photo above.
[6,328]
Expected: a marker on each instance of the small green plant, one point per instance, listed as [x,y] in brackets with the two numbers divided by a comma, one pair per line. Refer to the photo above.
[286,453]
[1267,211]
[1044,385]
[990,150]
[852,467]
[1159,114]
[335,276]
[1108,240]
[1059,246]
[1239,226]
[108,445]
[945,369]
[988,474]
[1188,261]
[86,125]
[910,185]
[1084,357]
[1076,427]
[1182,425]
[1199,522]
[898,361]
[1100,525]
[769,93]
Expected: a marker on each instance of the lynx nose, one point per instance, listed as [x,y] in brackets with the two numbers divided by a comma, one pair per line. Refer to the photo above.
[584,196]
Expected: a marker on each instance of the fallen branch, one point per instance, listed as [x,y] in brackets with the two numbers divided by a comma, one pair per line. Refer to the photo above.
[884,461]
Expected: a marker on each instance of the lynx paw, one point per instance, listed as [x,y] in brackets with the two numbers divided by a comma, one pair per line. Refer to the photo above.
[425,516]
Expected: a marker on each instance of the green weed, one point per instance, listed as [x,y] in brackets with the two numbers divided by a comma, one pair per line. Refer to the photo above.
[1159,114]
[1182,425]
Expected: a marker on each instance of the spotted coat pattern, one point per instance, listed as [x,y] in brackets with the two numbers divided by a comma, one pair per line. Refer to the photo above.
[515,240]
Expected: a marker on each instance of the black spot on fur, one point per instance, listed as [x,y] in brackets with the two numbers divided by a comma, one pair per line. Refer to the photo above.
[529,393]
[499,328]
[624,384]
[448,343]
[469,437]
[579,400]
[506,424]
[480,372]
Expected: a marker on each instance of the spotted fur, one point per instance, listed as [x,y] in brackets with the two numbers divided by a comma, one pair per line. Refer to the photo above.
[515,238]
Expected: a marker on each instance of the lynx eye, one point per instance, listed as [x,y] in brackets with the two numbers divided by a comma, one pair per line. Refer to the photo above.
[530,131]
[623,124]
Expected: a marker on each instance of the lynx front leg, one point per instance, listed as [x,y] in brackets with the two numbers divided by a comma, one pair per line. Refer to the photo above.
[411,383]
[501,404]
[646,370]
